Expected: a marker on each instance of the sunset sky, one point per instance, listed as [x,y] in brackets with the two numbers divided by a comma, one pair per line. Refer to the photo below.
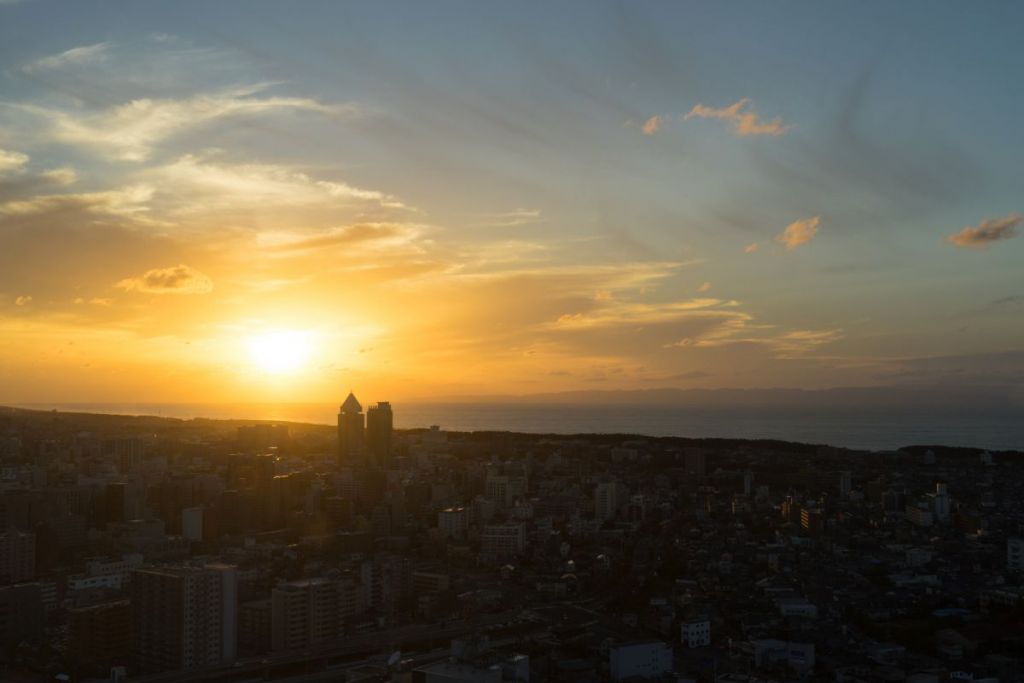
[224,201]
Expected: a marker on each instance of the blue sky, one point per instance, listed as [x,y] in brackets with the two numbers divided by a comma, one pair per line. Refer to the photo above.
[544,195]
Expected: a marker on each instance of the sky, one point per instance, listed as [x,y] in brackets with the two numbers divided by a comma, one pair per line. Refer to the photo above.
[282,201]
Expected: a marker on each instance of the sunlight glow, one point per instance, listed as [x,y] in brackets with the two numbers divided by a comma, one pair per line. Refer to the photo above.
[281,352]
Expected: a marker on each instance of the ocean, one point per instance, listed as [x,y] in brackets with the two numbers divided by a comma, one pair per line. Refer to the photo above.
[878,430]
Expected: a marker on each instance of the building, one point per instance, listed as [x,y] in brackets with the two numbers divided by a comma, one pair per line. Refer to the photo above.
[184,617]
[254,626]
[919,516]
[100,636]
[505,487]
[768,651]
[309,612]
[379,426]
[639,660]
[453,522]
[502,540]
[845,484]
[17,556]
[812,520]
[940,503]
[606,501]
[424,582]
[192,523]
[1015,554]
[351,430]
[696,632]
[21,613]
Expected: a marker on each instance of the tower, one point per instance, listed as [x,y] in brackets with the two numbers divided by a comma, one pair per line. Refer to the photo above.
[379,424]
[351,429]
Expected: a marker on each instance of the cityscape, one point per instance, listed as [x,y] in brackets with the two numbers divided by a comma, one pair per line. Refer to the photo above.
[468,341]
[159,550]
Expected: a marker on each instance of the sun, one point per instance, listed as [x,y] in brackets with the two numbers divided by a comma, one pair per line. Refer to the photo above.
[280,352]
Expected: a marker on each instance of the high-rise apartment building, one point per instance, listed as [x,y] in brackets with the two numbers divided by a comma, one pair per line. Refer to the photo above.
[351,430]
[184,617]
[379,425]
[310,612]
[606,501]
[17,556]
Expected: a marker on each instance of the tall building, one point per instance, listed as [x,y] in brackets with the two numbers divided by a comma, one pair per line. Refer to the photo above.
[379,425]
[17,556]
[1015,553]
[606,501]
[100,636]
[351,430]
[185,617]
[940,502]
[845,484]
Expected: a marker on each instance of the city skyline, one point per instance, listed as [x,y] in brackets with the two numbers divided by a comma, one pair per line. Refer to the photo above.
[244,202]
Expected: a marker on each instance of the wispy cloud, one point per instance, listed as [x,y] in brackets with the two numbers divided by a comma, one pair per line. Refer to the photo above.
[704,287]
[799,233]
[508,219]
[988,231]
[751,248]
[23,300]
[130,131]
[10,160]
[347,236]
[76,55]
[180,279]
[744,121]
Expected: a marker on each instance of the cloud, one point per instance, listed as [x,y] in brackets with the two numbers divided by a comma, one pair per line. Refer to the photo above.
[211,186]
[751,248]
[23,300]
[130,131]
[653,124]
[76,55]
[180,279]
[512,218]
[988,231]
[744,123]
[799,233]
[382,233]
[704,287]
[10,161]
[126,201]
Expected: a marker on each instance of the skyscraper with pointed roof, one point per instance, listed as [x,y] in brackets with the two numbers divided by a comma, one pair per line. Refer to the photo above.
[351,430]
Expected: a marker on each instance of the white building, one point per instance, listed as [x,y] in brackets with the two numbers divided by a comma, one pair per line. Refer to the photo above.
[641,660]
[696,632]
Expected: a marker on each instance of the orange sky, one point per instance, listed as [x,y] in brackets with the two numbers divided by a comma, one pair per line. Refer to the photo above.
[460,206]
